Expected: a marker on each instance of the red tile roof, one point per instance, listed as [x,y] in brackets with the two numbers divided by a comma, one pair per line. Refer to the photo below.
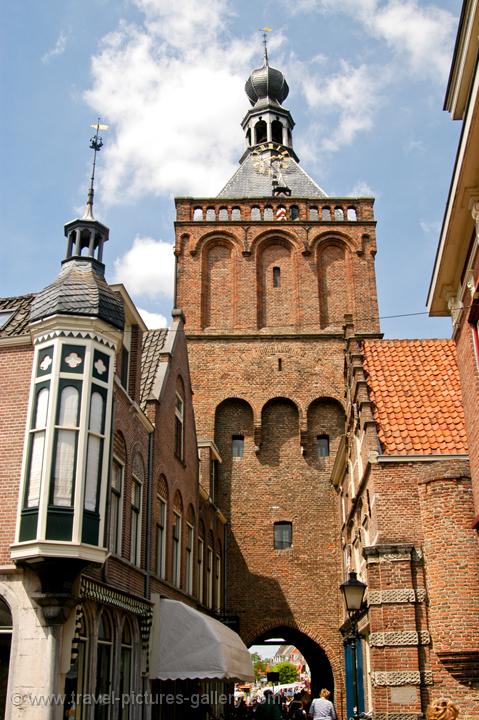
[414,385]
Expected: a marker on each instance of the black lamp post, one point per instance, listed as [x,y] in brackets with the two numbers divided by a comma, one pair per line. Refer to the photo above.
[353,591]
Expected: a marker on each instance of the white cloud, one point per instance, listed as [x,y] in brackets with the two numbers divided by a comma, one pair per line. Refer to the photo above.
[430,228]
[153,320]
[419,34]
[172,92]
[147,269]
[58,49]
[362,189]
[352,96]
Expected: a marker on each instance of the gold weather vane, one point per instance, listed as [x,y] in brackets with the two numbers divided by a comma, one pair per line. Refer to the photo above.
[96,143]
[265,31]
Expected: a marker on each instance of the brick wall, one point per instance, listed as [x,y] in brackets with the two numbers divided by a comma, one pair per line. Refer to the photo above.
[15,373]
[468,363]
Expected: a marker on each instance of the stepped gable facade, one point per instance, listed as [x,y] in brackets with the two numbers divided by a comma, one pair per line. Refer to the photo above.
[404,485]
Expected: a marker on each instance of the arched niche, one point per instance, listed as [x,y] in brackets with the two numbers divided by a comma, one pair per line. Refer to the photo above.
[279,431]
[334,283]
[233,419]
[234,433]
[217,285]
[325,419]
[275,284]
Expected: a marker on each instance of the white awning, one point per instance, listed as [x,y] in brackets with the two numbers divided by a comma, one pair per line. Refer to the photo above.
[186,644]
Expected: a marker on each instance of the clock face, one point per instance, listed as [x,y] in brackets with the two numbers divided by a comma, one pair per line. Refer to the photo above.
[270,164]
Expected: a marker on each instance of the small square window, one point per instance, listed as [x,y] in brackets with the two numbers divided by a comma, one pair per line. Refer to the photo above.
[322,445]
[283,535]
[238,447]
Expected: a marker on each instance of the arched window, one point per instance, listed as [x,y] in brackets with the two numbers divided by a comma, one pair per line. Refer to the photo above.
[201,562]
[313,213]
[255,213]
[277,131]
[268,213]
[326,213]
[136,511]
[294,212]
[126,666]
[104,663]
[223,214]
[180,421]
[189,551]
[210,214]
[338,213]
[352,214]
[177,532]
[260,131]
[236,213]
[162,528]
[116,493]
[209,571]
[198,214]
[218,580]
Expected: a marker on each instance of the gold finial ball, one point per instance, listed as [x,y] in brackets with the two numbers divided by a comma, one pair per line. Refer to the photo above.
[442,709]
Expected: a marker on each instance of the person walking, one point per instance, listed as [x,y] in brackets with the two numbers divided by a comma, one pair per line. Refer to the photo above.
[268,709]
[321,708]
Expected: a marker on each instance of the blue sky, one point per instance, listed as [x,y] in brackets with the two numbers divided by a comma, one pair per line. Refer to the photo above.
[367,81]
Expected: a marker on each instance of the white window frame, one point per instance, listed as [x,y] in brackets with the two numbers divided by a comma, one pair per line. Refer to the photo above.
[161,531]
[135,542]
[116,550]
[201,568]
[176,566]
[209,577]
[218,581]
[180,417]
[190,539]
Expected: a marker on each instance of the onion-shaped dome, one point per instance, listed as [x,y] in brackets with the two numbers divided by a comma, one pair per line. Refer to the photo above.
[266,82]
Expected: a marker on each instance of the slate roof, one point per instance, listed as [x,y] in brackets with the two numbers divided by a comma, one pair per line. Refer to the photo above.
[153,343]
[80,289]
[248,182]
[414,385]
[17,324]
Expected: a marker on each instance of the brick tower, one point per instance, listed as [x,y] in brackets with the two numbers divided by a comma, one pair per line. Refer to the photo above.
[266,272]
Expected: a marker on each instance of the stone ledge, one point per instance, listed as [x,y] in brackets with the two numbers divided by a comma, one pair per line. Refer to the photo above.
[395,678]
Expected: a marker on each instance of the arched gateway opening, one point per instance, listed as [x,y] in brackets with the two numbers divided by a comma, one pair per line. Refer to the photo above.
[316,658]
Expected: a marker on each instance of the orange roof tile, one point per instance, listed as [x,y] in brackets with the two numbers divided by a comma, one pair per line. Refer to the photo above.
[414,385]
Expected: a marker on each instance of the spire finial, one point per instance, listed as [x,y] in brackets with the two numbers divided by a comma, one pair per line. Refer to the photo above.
[265,31]
[96,143]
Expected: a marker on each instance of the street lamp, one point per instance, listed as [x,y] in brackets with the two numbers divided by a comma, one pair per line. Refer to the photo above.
[353,591]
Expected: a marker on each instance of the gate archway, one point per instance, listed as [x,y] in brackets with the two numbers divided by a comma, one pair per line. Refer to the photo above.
[315,656]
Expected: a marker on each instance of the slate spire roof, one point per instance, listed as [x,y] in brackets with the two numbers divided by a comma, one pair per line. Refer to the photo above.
[247,182]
